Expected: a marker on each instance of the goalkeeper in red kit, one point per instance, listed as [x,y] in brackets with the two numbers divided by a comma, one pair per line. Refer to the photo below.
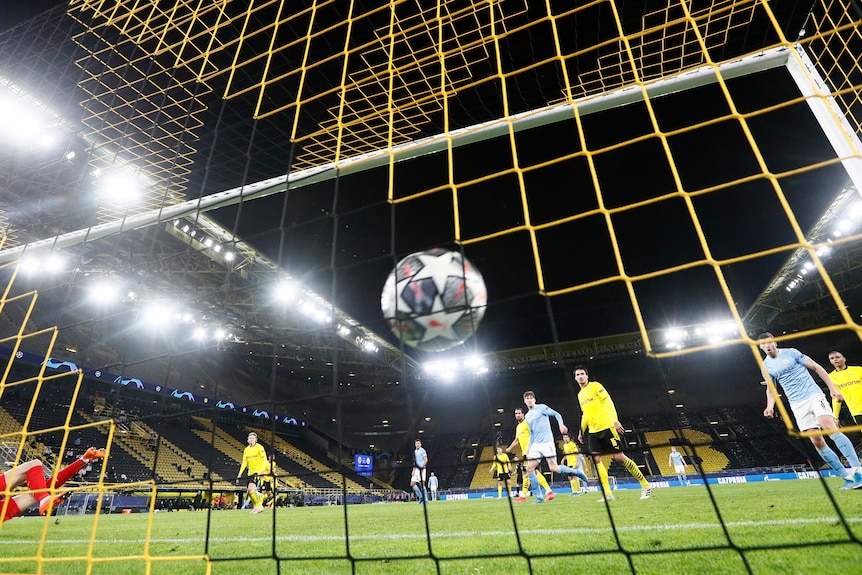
[33,474]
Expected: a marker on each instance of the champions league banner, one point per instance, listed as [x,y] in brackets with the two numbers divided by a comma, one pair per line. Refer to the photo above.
[60,365]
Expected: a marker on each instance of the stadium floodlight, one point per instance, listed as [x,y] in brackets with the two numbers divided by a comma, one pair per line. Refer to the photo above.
[19,123]
[104,292]
[311,310]
[28,265]
[200,333]
[369,346]
[284,289]
[718,330]
[444,369]
[70,155]
[158,314]
[475,365]
[229,256]
[121,188]
[48,139]
[674,335]
[54,263]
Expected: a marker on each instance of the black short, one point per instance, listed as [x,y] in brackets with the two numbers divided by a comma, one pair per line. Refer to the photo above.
[265,485]
[252,478]
[604,442]
[502,475]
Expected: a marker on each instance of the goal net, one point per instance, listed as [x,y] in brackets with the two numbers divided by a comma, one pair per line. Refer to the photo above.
[201,203]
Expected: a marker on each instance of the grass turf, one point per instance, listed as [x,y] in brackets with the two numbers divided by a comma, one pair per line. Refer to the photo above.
[763,528]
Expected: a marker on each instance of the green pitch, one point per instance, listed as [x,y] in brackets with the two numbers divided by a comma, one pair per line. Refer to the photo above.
[764,528]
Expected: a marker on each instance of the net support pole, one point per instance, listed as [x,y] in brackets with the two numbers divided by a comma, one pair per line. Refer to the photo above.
[828,114]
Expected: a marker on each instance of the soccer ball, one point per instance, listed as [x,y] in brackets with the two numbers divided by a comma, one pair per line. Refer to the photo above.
[434,300]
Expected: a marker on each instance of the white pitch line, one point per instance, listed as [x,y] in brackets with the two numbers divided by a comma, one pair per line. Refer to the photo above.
[446,535]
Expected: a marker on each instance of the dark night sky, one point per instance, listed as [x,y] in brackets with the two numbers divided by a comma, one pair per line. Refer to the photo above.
[13,12]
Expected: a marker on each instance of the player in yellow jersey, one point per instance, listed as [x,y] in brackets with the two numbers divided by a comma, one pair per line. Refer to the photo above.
[501,468]
[522,438]
[253,458]
[573,458]
[848,382]
[267,482]
[601,428]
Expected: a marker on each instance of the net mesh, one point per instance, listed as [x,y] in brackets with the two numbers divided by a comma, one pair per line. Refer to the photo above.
[611,167]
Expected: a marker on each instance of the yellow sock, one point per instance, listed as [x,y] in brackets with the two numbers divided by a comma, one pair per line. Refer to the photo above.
[499,489]
[542,481]
[255,498]
[576,485]
[526,486]
[632,468]
[603,477]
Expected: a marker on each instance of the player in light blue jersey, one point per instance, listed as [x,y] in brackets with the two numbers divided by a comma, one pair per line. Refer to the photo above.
[542,444]
[418,476]
[789,368]
[677,462]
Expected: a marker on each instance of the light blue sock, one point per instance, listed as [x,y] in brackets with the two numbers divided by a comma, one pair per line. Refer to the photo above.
[534,484]
[831,458]
[566,470]
[846,448]
[417,492]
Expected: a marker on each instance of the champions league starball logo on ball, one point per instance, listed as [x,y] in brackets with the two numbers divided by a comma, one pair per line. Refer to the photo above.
[434,300]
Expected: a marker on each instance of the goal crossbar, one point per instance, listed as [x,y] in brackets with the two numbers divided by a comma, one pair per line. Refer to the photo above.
[768,59]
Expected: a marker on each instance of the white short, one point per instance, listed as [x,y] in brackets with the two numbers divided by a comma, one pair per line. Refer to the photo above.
[808,410]
[679,469]
[540,450]
[418,475]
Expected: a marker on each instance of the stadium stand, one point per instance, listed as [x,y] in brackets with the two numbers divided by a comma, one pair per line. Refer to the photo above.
[698,449]
[447,459]
[481,477]
[312,458]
